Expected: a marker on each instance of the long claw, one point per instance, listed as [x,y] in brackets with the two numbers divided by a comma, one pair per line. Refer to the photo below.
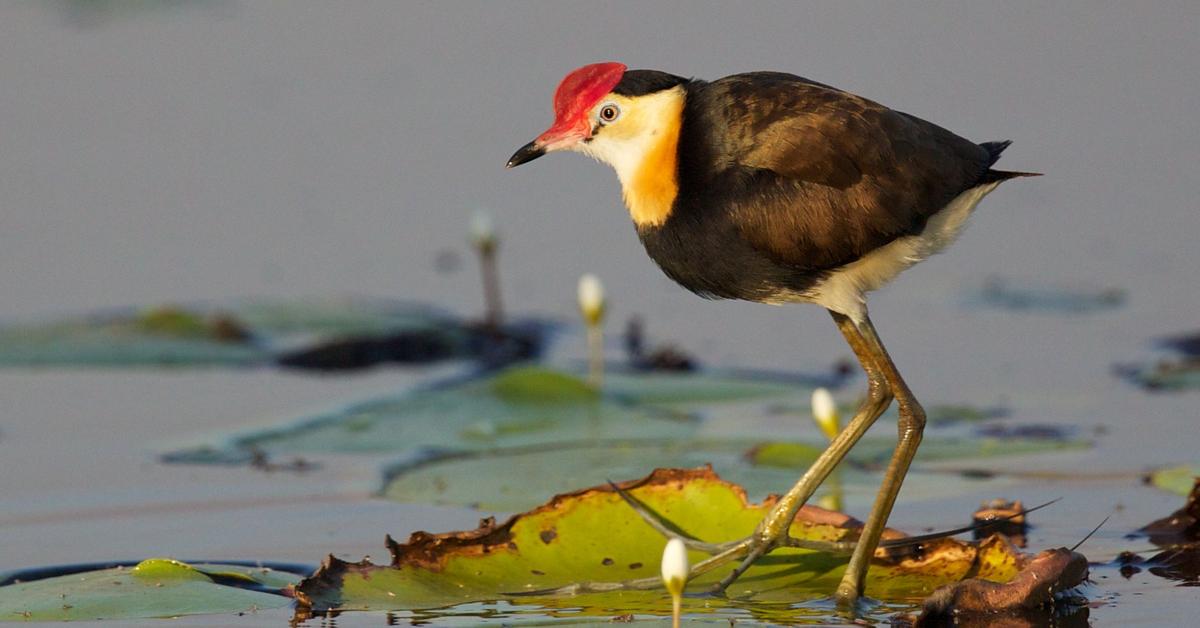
[933,536]
[828,547]
[757,550]
[665,528]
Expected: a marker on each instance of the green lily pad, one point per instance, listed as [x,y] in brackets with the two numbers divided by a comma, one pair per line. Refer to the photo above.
[592,535]
[667,388]
[230,334]
[1178,480]
[533,473]
[157,587]
[520,406]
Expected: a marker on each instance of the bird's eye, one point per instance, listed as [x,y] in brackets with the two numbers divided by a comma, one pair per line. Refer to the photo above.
[609,113]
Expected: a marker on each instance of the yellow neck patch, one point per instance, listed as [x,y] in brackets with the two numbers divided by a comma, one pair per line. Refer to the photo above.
[642,146]
[650,192]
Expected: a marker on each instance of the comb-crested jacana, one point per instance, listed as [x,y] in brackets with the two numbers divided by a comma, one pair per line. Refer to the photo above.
[773,188]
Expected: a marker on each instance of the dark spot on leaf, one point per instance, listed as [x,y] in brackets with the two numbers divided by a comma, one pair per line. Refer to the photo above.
[606,562]
[547,535]
[537,572]
[635,565]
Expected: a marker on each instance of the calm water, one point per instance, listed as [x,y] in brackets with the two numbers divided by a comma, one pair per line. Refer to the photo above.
[158,152]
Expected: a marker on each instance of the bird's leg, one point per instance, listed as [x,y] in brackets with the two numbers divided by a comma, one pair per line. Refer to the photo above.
[772,531]
[912,425]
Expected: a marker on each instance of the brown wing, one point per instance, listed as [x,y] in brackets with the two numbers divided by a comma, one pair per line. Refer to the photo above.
[832,176]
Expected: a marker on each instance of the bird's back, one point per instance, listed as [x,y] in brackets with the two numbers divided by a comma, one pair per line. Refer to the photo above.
[795,179]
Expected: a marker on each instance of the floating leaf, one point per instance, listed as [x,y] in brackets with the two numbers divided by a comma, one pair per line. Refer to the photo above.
[1181,526]
[532,473]
[1030,296]
[1178,480]
[157,587]
[117,342]
[593,535]
[1179,534]
[231,334]
[950,414]
[167,569]
[874,452]
[709,387]
[1034,588]
[520,406]
[1167,376]
[1187,344]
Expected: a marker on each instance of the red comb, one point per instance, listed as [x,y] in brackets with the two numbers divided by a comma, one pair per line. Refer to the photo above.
[583,88]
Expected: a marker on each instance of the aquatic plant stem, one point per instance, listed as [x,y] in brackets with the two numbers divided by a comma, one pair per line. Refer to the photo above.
[493,308]
[595,342]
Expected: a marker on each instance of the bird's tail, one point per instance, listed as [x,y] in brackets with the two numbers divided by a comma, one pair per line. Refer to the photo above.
[991,176]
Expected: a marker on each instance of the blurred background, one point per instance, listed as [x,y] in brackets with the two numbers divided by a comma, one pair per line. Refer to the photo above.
[163,152]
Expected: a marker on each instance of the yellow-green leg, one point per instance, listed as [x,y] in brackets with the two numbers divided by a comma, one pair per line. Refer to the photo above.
[912,425]
[774,527]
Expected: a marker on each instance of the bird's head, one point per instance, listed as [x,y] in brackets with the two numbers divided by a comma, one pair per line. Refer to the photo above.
[607,112]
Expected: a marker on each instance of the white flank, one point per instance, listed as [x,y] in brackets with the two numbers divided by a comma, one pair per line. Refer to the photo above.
[845,289]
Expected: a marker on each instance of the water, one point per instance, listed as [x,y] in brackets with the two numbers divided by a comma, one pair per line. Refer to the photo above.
[201,150]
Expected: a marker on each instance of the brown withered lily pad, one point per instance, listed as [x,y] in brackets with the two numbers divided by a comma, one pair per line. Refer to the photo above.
[1032,590]
[1181,526]
[1003,516]
[593,536]
[1178,534]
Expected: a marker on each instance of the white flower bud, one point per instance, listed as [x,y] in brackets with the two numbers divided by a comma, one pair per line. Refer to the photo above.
[483,233]
[825,412]
[675,567]
[591,299]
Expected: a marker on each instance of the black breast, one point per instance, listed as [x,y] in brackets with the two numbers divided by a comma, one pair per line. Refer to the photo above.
[708,257]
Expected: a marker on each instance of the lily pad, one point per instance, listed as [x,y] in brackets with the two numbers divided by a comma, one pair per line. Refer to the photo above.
[1179,535]
[951,414]
[533,473]
[157,587]
[592,535]
[519,406]
[1033,590]
[690,388]
[211,334]
[1033,296]
[1178,480]
[1165,376]
[875,452]
[1187,344]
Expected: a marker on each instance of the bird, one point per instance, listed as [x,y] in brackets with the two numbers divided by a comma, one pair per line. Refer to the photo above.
[773,188]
